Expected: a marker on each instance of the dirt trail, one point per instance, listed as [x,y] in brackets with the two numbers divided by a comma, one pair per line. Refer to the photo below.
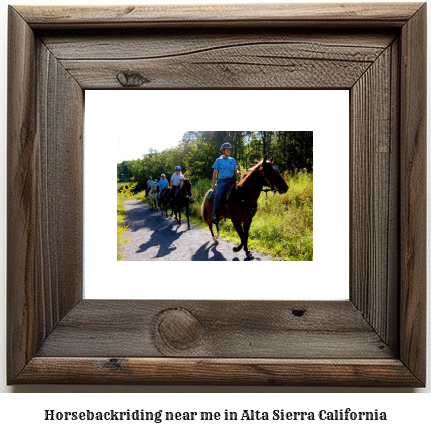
[157,238]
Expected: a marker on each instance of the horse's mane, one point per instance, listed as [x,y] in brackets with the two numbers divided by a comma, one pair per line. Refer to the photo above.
[249,172]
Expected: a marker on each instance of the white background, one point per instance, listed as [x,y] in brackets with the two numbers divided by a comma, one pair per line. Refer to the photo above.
[326,113]
[24,410]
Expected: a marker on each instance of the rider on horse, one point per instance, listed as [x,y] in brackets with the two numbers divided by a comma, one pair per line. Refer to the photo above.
[224,170]
[149,183]
[163,184]
[177,179]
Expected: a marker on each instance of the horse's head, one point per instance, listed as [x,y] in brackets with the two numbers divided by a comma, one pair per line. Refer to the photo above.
[272,177]
[188,187]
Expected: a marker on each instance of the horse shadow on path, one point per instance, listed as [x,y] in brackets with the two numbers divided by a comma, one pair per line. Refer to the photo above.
[155,237]
[162,239]
[203,253]
[209,252]
[158,231]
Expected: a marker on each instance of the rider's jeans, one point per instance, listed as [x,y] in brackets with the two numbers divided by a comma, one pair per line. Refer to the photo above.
[219,192]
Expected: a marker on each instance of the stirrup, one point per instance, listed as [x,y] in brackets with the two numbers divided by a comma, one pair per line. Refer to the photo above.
[215,219]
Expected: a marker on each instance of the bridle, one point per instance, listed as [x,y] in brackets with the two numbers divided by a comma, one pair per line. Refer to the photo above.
[270,187]
[184,195]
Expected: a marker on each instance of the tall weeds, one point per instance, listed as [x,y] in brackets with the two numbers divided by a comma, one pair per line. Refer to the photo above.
[124,192]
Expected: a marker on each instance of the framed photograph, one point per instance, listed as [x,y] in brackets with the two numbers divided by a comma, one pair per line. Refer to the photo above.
[376,337]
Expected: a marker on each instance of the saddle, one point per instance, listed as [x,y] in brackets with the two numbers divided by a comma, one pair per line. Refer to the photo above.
[229,191]
[163,193]
[229,187]
[210,194]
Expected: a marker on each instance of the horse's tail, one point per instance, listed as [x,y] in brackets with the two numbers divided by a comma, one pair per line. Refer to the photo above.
[204,210]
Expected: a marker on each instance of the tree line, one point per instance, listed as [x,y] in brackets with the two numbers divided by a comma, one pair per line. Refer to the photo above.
[197,151]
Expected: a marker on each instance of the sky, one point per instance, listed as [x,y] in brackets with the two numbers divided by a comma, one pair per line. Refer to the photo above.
[132,144]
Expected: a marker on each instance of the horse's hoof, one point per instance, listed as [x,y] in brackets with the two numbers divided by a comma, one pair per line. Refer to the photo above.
[217,235]
[215,241]
[249,255]
[237,249]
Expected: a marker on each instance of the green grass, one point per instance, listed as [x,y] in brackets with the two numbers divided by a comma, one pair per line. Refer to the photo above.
[140,196]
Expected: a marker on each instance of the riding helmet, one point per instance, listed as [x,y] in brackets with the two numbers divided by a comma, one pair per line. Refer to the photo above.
[177,168]
[225,146]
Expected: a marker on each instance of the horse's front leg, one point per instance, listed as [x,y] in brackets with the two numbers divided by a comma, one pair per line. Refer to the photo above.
[179,216]
[188,214]
[215,237]
[238,227]
[246,226]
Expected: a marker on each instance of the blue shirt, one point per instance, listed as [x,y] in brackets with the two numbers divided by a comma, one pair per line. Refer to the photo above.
[225,166]
[163,183]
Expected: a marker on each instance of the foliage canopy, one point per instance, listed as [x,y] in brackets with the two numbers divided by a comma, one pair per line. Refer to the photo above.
[198,150]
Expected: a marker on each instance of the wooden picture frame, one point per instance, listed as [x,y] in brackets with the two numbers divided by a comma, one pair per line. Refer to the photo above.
[376,338]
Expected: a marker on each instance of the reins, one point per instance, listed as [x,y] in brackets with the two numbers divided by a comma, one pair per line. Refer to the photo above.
[270,187]
[185,195]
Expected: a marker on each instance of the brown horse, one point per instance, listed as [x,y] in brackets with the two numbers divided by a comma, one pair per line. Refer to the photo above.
[241,202]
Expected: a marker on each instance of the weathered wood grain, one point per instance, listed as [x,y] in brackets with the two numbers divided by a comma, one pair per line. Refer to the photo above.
[312,14]
[413,194]
[374,193]
[192,59]
[217,371]
[345,45]
[200,72]
[59,182]
[21,196]
[44,193]
[235,329]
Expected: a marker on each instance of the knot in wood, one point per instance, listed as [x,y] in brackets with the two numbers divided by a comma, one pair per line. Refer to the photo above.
[178,329]
[115,363]
[298,312]
[131,79]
